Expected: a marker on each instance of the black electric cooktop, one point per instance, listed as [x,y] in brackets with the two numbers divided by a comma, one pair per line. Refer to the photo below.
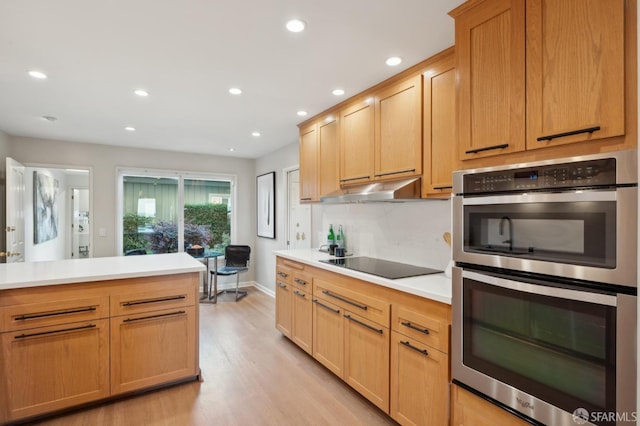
[381,268]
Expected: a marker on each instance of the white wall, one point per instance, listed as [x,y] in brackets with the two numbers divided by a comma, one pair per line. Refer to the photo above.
[264,258]
[105,159]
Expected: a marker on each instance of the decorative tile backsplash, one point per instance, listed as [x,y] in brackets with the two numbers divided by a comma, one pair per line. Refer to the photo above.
[409,232]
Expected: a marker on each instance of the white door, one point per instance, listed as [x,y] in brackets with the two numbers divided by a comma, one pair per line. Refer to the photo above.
[299,217]
[15,211]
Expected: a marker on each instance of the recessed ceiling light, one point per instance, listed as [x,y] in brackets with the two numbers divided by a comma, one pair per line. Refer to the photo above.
[37,74]
[231,149]
[130,129]
[338,92]
[235,91]
[256,134]
[50,118]
[296,25]
[142,93]
[394,60]
[302,113]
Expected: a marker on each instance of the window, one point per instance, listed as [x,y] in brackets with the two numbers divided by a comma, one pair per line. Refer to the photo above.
[169,212]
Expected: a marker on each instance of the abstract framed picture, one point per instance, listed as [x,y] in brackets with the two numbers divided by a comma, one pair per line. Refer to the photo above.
[45,207]
[266,205]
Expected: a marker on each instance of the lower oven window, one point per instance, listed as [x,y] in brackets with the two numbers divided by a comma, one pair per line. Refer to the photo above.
[558,350]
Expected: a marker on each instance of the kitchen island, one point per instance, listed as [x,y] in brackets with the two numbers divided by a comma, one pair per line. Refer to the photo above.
[84,330]
[387,338]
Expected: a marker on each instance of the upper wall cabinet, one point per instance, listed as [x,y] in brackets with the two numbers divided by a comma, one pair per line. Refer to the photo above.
[398,135]
[356,142]
[575,71]
[490,50]
[439,125]
[309,163]
[545,73]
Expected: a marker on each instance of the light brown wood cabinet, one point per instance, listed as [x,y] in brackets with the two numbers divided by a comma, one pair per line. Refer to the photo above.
[490,51]
[357,129]
[471,410]
[309,163]
[420,363]
[329,154]
[398,130]
[539,74]
[294,309]
[439,125]
[374,339]
[66,345]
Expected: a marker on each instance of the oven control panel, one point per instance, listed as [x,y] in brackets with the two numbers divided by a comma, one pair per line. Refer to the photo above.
[600,172]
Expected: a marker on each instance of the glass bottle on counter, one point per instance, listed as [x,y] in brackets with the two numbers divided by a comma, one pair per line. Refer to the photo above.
[331,237]
[340,237]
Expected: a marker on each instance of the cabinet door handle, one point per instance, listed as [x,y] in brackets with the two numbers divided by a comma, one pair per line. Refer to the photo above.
[438,188]
[335,311]
[571,133]
[396,173]
[305,199]
[345,300]
[44,333]
[163,299]
[355,178]
[281,285]
[297,293]
[350,318]
[301,282]
[153,316]
[487,148]
[410,346]
[413,327]
[282,274]
[53,314]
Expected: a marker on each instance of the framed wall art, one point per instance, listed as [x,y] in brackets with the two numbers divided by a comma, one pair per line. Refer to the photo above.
[266,205]
[45,207]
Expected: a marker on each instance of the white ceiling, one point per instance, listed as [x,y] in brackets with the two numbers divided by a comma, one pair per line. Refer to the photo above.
[187,54]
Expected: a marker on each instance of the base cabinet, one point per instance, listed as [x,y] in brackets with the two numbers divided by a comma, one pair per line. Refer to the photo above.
[471,410]
[66,345]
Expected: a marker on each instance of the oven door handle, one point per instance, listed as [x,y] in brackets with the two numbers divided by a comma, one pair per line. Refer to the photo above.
[559,197]
[562,293]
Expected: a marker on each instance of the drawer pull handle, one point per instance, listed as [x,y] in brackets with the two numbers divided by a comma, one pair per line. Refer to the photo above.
[282,274]
[335,296]
[301,282]
[305,199]
[335,311]
[297,293]
[410,346]
[573,132]
[440,188]
[413,327]
[350,318]
[395,173]
[153,316]
[281,285]
[43,333]
[355,178]
[53,314]
[487,148]
[163,299]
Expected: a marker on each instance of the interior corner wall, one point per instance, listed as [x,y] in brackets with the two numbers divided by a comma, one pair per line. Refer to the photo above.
[264,259]
[104,161]
[4,153]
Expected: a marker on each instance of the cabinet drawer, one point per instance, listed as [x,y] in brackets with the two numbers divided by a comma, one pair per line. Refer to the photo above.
[20,317]
[150,299]
[302,281]
[431,330]
[365,306]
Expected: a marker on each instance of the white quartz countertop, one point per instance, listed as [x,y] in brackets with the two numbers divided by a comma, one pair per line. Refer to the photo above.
[34,274]
[435,286]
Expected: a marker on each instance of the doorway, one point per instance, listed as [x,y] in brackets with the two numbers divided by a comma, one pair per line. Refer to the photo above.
[298,215]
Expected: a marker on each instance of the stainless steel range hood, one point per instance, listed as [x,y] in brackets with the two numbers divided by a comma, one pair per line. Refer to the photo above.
[397,190]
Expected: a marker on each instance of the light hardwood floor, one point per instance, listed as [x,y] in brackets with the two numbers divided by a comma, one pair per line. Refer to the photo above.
[252,376]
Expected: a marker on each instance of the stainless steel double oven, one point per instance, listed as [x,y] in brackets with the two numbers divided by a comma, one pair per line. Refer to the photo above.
[545,287]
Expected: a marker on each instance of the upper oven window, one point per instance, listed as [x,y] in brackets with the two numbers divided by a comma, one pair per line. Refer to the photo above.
[580,230]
